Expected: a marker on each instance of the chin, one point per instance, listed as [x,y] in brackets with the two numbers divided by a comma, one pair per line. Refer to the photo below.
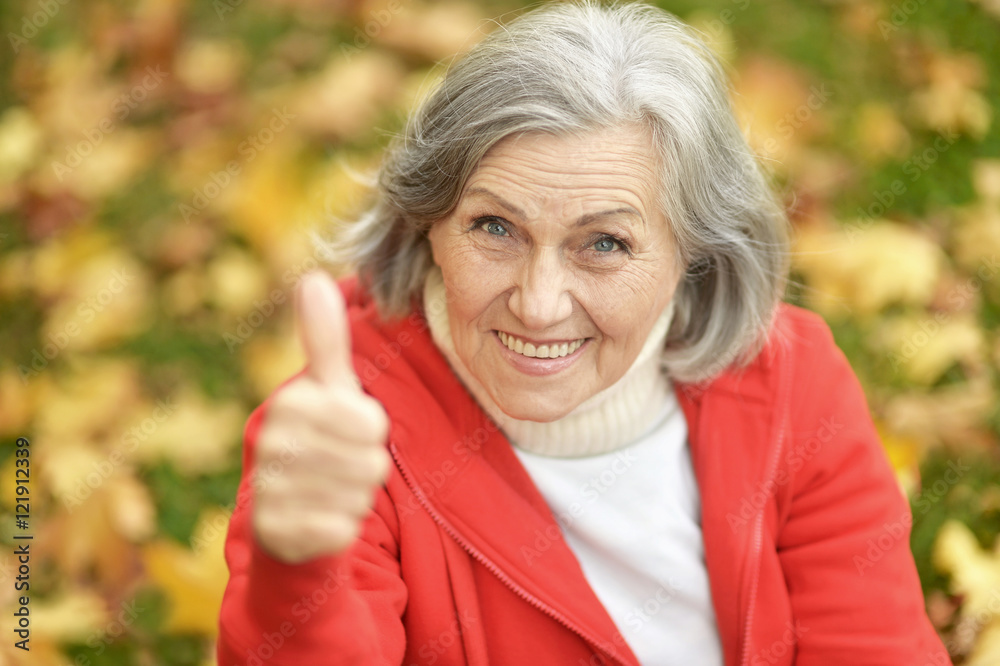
[530,408]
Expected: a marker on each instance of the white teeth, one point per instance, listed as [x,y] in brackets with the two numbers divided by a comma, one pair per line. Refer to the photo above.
[542,351]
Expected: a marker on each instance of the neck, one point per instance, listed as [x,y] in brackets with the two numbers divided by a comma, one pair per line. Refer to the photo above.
[610,419]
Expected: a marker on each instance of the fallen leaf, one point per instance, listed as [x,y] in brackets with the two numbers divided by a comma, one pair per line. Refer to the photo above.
[987,649]
[880,134]
[88,399]
[925,346]
[431,31]
[193,579]
[977,238]
[268,198]
[991,6]
[69,617]
[235,282]
[905,454]
[20,143]
[986,180]
[210,66]
[184,292]
[130,503]
[106,302]
[953,416]
[779,109]
[270,360]
[950,101]
[97,167]
[17,403]
[975,576]
[865,267]
[343,99]
[197,435]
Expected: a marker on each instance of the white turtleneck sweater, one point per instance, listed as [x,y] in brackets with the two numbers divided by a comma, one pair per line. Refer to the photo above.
[616,473]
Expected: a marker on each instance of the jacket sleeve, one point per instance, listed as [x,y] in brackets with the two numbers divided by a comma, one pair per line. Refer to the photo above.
[330,610]
[844,538]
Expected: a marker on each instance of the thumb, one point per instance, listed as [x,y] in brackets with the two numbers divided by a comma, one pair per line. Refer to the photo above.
[323,326]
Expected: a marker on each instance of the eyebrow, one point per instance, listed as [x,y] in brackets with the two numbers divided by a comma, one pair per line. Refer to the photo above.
[583,221]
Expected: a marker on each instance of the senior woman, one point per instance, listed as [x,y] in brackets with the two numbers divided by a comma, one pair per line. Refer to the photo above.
[559,415]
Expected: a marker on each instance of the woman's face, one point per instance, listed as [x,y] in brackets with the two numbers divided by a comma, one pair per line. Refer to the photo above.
[557,262]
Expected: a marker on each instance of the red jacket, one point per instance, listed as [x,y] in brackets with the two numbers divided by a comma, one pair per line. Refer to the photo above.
[461,562]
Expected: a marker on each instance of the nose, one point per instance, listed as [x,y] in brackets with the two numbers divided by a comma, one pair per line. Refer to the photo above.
[541,296]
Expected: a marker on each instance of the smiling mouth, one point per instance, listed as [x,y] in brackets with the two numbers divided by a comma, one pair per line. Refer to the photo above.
[554,350]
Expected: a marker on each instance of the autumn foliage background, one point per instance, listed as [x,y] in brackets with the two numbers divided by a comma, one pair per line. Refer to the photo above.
[163,164]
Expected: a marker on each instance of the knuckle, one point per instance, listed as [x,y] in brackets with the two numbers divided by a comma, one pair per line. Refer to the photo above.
[373,465]
[373,423]
[358,502]
[334,532]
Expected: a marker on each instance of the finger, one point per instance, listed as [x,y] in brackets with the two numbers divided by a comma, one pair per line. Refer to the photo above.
[322,318]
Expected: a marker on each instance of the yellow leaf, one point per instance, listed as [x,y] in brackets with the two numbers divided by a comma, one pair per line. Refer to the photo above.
[101,166]
[131,508]
[880,134]
[345,97]
[88,400]
[197,435]
[182,244]
[977,238]
[950,103]
[905,454]
[72,616]
[190,169]
[986,180]
[267,195]
[20,143]
[87,541]
[987,649]
[75,98]
[866,267]
[779,109]
[991,6]
[108,301]
[925,347]
[861,18]
[210,66]
[269,361]
[953,415]
[184,292]
[192,579]
[974,572]
[15,273]
[432,31]
[235,281]
[54,266]
[72,468]
[18,401]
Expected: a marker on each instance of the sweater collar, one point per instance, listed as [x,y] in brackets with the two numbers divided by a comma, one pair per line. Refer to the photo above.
[608,420]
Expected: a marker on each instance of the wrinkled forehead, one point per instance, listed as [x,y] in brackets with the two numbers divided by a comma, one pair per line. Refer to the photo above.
[569,175]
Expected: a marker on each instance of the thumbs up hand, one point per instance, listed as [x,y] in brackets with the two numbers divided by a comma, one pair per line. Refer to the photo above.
[321,451]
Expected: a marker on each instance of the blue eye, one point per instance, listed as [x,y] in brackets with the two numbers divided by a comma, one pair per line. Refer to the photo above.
[492,226]
[606,245]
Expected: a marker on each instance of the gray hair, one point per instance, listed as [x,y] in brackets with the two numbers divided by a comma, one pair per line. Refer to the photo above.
[572,68]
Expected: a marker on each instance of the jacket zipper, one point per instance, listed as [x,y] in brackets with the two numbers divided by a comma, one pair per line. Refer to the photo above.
[758,538]
[485,561]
